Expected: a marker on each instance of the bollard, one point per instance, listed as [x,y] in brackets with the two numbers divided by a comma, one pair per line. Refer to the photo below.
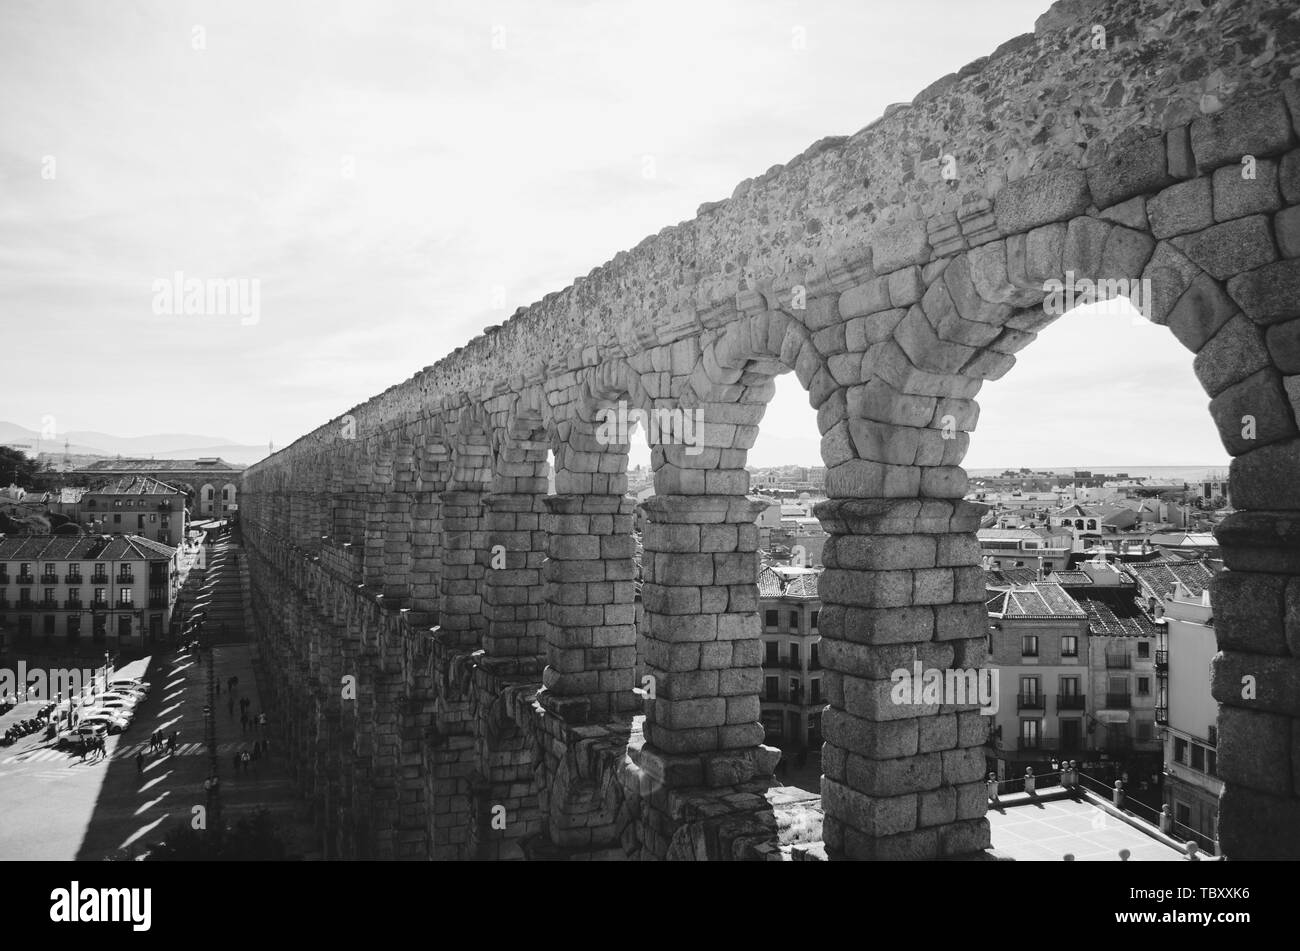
[1166,819]
[1124,855]
[1118,796]
[992,784]
[1029,780]
[1191,849]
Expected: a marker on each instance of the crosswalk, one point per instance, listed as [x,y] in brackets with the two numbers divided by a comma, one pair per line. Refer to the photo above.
[123,752]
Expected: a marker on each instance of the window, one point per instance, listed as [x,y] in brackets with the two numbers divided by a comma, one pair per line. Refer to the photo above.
[1144,649]
[125,596]
[1029,734]
[47,624]
[812,621]
[50,568]
[225,495]
[1029,645]
[1212,762]
[1029,688]
[794,655]
[815,692]
[209,494]
[1198,757]
[813,661]
[124,626]
[794,690]
[771,618]
[1182,814]
[794,620]
[1180,750]
[1069,646]
[117,518]
[772,686]
[1144,686]
[49,596]
[773,654]
[101,596]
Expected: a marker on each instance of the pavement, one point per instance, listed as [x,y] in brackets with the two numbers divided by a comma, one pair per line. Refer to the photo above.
[56,807]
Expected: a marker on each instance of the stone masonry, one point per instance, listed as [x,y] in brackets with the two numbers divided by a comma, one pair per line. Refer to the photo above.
[455,653]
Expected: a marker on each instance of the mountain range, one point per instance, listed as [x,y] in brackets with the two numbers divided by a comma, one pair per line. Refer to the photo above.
[154,446]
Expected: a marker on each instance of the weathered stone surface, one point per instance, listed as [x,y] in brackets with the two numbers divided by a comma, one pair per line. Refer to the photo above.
[1236,196]
[1041,199]
[1289,177]
[1286,228]
[1249,610]
[1135,169]
[1258,127]
[899,246]
[1284,346]
[1264,478]
[1182,208]
[1228,249]
[1235,352]
[1270,294]
[1202,309]
[1254,412]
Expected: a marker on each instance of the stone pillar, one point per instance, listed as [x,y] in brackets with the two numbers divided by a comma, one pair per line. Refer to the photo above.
[902,779]
[1256,674]
[702,645]
[590,605]
[512,589]
[464,540]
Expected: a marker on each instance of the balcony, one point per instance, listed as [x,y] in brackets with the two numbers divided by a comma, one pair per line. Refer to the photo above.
[1036,744]
[74,577]
[47,604]
[4,579]
[72,604]
[1119,701]
[1029,701]
[1162,660]
[1075,702]
[99,605]
[1119,661]
[26,579]
[1162,714]
[50,578]
[124,579]
[99,577]
[25,604]
[124,605]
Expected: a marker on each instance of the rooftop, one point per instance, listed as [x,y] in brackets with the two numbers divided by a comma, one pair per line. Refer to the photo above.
[788,581]
[1046,830]
[1039,599]
[37,548]
[215,464]
[1157,579]
[134,485]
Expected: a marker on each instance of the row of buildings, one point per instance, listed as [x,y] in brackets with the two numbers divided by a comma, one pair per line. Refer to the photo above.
[1105,662]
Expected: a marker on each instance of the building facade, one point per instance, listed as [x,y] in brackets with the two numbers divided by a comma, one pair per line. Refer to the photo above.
[60,592]
[792,697]
[1038,642]
[135,505]
[211,485]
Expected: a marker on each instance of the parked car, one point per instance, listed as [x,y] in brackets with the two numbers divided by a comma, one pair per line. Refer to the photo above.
[83,731]
[113,696]
[133,683]
[112,721]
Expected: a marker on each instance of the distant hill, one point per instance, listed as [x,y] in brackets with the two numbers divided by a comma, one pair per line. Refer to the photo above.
[105,445]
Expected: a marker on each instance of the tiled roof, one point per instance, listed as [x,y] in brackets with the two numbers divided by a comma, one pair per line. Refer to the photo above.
[1159,578]
[1039,599]
[37,548]
[1117,617]
[1005,577]
[161,465]
[71,495]
[1071,577]
[781,581]
[1007,534]
[135,485]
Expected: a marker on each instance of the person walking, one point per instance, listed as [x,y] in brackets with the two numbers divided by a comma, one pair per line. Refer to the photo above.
[244,760]
[81,748]
[243,721]
[261,722]
[139,763]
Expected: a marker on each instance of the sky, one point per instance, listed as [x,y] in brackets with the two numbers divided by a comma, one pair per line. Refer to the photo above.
[390,178]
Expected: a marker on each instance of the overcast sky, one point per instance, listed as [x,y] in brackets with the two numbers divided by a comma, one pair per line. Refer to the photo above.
[396,176]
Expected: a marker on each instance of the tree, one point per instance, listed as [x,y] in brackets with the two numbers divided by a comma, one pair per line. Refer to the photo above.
[16,467]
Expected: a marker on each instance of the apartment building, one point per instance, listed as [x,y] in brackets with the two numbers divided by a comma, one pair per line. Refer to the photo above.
[135,505]
[67,592]
[1176,594]
[1039,644]
[792,698]
[1025,548]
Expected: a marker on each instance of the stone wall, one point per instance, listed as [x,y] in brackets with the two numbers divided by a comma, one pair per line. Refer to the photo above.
[505,704]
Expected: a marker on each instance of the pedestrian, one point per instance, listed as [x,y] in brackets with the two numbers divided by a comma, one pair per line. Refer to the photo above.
[236,761]
[139,763]
[81,748]
[257,750]
[244,759]
[261,721]
[243,721]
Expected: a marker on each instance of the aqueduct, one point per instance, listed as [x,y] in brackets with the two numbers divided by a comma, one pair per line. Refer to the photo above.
[495,711]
